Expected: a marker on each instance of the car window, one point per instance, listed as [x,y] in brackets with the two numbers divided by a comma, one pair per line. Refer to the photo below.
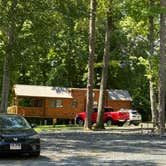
[105,110]
[134,112]
[108,110]
[13,122]
[94,109]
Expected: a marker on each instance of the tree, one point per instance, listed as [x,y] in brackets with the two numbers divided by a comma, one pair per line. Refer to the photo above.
[99,122]
[8,56]
[142,48]
[89,103]
[58,56]
[153,101]
[162,67]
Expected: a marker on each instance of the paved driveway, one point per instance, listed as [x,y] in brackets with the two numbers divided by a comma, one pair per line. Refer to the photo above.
[102,148]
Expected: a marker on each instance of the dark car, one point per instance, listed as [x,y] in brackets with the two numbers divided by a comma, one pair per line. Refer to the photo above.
[18,136]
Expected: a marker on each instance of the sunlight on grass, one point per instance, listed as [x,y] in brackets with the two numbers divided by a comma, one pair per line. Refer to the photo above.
[43,128]
[57,127]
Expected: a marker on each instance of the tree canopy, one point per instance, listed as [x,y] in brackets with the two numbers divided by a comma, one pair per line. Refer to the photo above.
[50,45]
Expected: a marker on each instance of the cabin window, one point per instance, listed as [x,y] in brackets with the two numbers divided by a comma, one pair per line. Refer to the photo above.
[58,103]
[52,103]
[55,103]
[95,104]
[26,102]
[37,103]
[95,109]
[74,103]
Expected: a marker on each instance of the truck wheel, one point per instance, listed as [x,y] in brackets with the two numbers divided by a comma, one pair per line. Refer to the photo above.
[120,124]
[136,123]
[80,121]
[109,122]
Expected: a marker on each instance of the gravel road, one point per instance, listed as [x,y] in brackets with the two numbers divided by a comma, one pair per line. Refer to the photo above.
[99,148]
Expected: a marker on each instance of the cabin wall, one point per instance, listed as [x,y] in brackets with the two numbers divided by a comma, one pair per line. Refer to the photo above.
[81,96]
[118,104]
[65,111]
[68,111]
[69,108]
[30,111]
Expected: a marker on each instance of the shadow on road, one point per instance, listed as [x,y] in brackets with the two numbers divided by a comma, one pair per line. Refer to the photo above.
[99,148]
[103,142]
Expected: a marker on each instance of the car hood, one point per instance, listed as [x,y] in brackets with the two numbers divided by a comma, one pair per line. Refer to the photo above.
[17,132]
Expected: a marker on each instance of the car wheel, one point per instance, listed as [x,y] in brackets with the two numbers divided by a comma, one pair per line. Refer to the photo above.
[80,121]
[109,122]
[136,124]
[120,124]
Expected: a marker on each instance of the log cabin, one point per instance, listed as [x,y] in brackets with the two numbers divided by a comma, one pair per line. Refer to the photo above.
[49,104]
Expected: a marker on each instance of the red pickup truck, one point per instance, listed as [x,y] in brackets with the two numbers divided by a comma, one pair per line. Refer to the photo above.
[110,117]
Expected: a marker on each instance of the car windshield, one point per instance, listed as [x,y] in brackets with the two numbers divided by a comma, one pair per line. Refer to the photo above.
[134,112]
[13,122]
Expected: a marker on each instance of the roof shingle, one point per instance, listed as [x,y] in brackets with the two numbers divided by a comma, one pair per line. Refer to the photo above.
[119,95]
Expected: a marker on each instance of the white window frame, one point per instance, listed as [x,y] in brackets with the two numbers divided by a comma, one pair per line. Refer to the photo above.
[56,103]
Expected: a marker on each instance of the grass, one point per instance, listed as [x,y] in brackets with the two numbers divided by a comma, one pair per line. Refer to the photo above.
[43,128]
[57,127]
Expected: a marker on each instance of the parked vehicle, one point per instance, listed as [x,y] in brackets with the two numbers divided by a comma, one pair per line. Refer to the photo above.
[18,136]
[135,118]
[110,117]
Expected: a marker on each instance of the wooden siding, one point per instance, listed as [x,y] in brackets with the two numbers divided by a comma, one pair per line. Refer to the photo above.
[80,96]
[65,111]
[118,104]
[27,111]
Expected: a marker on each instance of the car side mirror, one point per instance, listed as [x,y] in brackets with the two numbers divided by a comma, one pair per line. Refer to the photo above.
[33,125]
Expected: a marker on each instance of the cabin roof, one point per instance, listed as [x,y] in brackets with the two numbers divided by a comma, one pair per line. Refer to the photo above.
[41,91]
[119,95]
[61,92]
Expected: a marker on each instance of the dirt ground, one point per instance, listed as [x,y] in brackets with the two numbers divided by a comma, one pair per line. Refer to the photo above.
[111,147]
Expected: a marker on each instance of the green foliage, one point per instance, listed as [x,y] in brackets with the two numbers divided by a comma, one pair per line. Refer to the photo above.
[51,44]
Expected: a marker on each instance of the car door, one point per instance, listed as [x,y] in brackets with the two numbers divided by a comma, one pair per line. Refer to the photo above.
[94,115]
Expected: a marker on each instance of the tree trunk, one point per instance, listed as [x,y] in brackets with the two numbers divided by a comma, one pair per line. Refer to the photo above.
[153,104]
[100,122]
[6,67]
[89,104]
[151,81]
[161,117]
[5,84]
